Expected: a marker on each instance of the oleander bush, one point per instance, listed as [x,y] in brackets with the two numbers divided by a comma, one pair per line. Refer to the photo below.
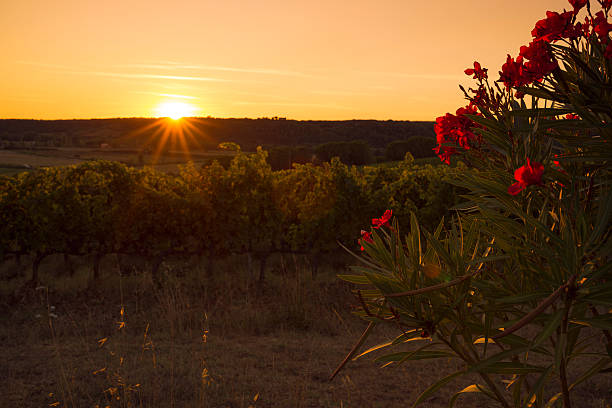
[518,285]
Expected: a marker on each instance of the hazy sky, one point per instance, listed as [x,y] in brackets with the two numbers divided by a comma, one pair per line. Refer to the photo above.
[333,59]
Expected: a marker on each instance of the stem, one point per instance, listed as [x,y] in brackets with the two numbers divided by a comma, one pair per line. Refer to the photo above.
[464,355]
[353,350]
[563,375]
[535,312]
[432,288]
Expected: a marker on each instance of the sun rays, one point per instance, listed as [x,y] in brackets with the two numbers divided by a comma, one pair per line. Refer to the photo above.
[174,133]
[171,136]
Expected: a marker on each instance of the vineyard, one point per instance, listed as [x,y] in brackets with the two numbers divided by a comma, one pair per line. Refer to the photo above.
[100,208]
[490,276]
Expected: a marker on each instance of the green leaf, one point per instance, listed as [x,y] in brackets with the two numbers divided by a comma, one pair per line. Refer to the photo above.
[522,299]
[551,402]
[435,387]
[595,368]
[538,387]
[553,322]
[510,368]
[484,365]
[471,388]
[540,112]
[600,322]
[540,93]
[357,279]
[374,348]
[603,219]
[415,355]
[439,249]
[407,336]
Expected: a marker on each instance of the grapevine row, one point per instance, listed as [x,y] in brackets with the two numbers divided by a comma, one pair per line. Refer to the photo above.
[100,208]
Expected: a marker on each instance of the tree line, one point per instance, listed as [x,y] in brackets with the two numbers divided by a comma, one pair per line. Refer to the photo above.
[356,152]
[207,133]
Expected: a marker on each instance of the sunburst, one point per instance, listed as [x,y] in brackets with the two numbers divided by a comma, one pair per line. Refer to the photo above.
[167,134]
[175,110]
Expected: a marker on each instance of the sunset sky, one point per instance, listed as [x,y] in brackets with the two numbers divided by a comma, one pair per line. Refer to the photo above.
[333,59]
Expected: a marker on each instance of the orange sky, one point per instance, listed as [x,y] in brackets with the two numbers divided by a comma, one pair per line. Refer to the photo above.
[332,59]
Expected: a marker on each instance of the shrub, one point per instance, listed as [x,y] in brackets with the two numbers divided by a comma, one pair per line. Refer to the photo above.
[520,280]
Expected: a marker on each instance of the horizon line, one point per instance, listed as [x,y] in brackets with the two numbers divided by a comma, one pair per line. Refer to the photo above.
[229,117]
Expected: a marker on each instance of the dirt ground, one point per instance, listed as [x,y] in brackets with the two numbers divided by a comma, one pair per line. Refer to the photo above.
[207,343]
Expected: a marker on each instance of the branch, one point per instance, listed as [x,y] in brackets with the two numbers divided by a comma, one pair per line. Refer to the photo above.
[353,350]
[541,307]
[434,287]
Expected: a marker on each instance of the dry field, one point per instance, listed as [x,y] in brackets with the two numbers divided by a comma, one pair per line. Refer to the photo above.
[16,161]
[202,341]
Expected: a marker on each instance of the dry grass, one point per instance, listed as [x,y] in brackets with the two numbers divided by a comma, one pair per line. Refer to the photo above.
[198,341]
[35,158]
[15,161]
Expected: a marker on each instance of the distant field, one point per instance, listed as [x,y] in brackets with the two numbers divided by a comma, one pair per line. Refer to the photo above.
[20,160]
[17,161]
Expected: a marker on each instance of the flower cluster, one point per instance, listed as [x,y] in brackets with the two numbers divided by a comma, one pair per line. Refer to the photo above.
[527,175]
[555,27]
[456,130]
[536,60]
[600,25]
[367,237]
[383,221]
[577,4]
[478,72]
[533,63]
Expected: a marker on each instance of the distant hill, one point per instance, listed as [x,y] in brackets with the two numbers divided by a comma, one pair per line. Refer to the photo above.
[205,133]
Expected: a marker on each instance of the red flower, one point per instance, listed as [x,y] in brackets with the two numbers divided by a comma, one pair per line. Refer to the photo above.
[601,26]
[480,98]
[556,162]
[444,152]
[478,72]
[540,61]
[608,51]
[585,27]
[455,130]
[528,175]
[571,116]
[578,4]
[554,27]
[382,221]
[367,237]
[513,73]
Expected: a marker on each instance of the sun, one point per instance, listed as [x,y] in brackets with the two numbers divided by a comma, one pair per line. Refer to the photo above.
[175,110]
